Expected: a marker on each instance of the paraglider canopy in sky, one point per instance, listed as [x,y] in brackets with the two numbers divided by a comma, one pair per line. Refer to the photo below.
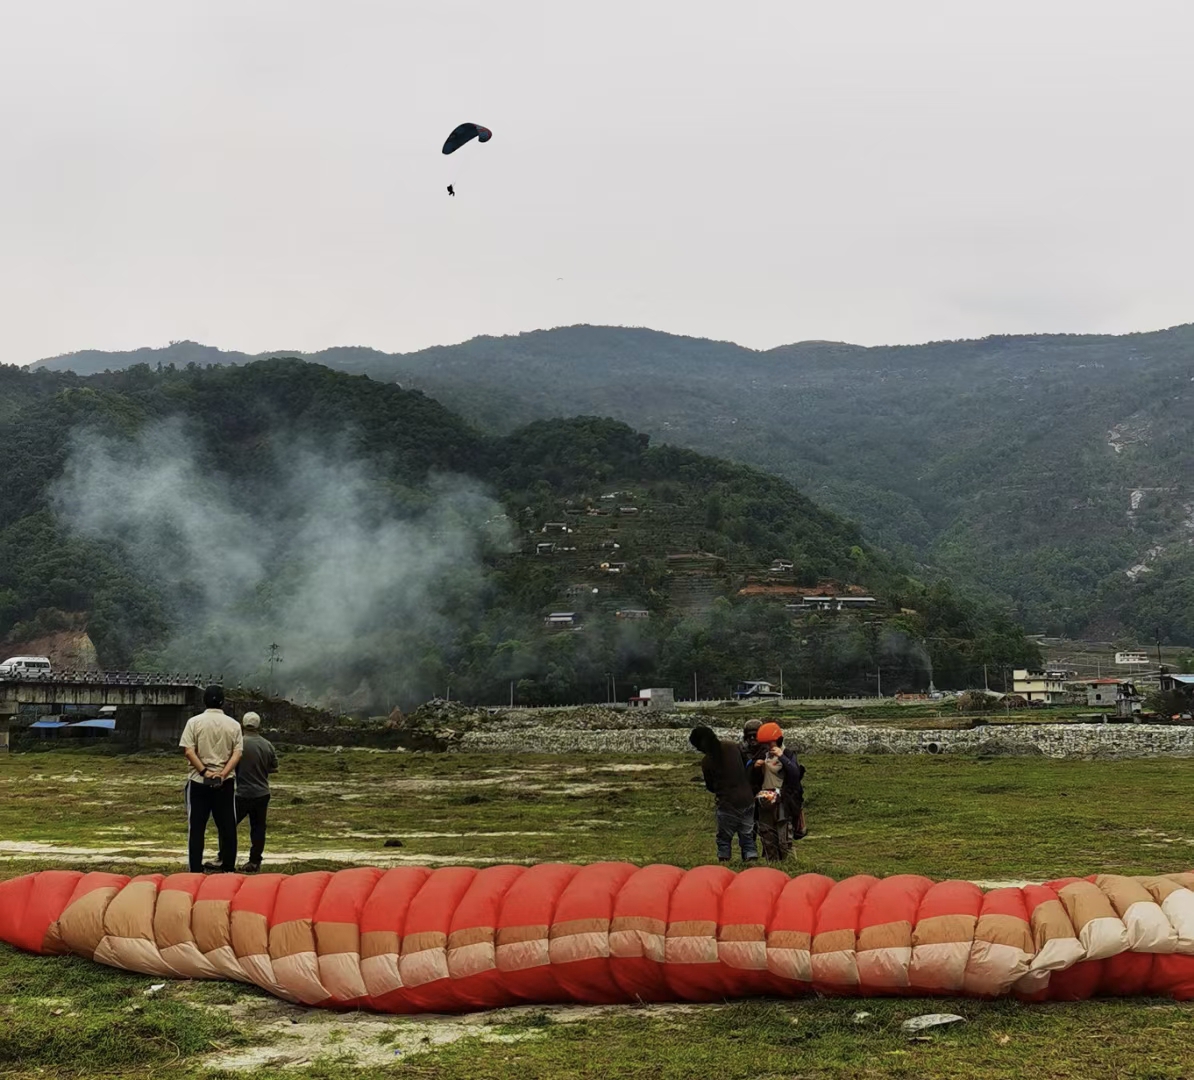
[466,133]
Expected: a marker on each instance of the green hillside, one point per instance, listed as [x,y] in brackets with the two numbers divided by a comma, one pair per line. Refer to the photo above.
[1054,472]
[196,516]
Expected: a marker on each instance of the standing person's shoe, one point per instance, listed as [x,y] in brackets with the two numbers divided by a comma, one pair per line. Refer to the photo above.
[212,868]
[250,868]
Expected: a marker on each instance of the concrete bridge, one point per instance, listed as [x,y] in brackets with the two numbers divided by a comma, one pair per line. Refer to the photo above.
[164,701]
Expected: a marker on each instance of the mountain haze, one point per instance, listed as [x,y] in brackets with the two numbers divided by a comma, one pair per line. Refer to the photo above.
[1055,472]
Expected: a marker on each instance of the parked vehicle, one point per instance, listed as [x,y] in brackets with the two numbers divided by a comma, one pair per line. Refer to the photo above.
[25,666]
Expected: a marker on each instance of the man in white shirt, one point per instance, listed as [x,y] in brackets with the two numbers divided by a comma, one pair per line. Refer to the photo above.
[212,743]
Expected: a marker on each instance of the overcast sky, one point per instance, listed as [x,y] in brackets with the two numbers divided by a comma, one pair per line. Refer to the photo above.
[261,174]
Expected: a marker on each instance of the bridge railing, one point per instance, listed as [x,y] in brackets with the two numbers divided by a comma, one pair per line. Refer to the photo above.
[82,677]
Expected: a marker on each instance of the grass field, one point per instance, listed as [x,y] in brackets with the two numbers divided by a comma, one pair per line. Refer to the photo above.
[987,820]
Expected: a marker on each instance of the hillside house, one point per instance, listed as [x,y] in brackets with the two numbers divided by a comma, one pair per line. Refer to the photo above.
[632,613]
[556,527]
[1183,686]
[628,511]
[581,588]
[1046,686]
[561,620]
[782,566]
[1117,693]
[657,699]
[615,567]
[835,603]
[757,688]
[546,548]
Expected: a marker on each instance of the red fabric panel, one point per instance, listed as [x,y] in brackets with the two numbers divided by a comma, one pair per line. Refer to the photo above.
[52,890]
[481,907]
[800,902]
[590,895]
[894,899]
[1173,974]
[750,900]
[187,883]
[342,902]
[1005,902]
[1035,895]
[1126,975]
[647,894]
[299,896]
[531,902]
[14,902]
[1076,983]
[840,911]
[951,898]
[256,894]
[386,909]
[431,911]
[697,899]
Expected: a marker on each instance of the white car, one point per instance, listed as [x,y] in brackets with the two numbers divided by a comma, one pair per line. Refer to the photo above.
[18,666]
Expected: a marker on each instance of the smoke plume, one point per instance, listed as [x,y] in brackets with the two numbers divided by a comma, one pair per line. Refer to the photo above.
[360,581]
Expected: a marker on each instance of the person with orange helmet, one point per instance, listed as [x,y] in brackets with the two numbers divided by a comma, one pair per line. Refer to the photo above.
[775,778]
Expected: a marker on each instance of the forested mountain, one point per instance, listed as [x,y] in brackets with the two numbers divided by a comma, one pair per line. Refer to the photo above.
[191,518]
[1054,471]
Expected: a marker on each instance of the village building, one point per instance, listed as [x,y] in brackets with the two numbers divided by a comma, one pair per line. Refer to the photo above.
[1046,686]
[833,603]
[628,511]
[562,620]
[632,613]
[657,699]
[1183,687]
[756,688]
[556,527]
[544,548]
[1106,693]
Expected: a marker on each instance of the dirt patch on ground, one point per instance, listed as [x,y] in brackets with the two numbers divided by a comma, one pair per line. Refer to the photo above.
[293,1036]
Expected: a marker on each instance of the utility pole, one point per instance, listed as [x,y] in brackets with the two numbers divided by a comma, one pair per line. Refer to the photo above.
[694,686]
[1158,636]
[781,682]
[985,686]
[275,658]
[608,699]
[511,693]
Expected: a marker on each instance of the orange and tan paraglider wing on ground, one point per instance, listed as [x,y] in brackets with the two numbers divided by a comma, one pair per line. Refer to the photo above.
[453,939]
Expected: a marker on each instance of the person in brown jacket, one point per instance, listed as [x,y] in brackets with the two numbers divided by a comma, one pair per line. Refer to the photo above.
[725,776]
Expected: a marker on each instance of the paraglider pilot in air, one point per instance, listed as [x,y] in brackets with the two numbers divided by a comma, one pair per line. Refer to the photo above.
[451,190]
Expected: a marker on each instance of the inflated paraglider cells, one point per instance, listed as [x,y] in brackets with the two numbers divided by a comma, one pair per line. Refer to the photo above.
[453,939]
[466,133]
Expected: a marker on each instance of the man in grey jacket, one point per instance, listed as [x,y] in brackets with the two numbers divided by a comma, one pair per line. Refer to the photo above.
[257,761]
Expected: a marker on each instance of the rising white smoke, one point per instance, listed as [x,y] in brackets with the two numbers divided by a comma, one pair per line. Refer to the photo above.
[360,581]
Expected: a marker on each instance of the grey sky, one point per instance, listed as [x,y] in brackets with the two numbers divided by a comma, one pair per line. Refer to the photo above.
[266,173]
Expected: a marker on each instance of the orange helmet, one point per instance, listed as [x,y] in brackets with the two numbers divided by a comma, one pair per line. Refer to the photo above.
[770,732]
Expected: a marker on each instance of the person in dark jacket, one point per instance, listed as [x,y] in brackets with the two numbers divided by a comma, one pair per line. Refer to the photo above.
[725,776]
[750,740]
[775,779]
[257,761]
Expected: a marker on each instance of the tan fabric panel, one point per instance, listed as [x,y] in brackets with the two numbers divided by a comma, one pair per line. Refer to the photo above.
[132,954]
[1084,902]
[703,928]
[424,940]
[470,935]
[341,974]
[833,941]
[790,939]
[837,969]
[1004,930]
[886,966]
[1159,887]
[743,932]
[292,938]
[130,914]
[299,973]
[423,966]
[53,943]
[337,937]
[380,974]
[520,955]
[259,969]
[189,962]
[892,935]
[944,930]
[82,923]
[172,918]
[637,924]
[794,964]
[995,966]
[941,966]
[1122,892]
[1049,923]
[579,926]
[743,953]
[513,935]
[214,928]
[569,948]
[379,943]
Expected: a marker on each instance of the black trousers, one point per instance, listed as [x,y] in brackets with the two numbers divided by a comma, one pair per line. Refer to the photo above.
[214,802]
[254,809]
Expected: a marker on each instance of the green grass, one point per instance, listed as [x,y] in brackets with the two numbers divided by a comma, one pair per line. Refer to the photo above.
[1004,818]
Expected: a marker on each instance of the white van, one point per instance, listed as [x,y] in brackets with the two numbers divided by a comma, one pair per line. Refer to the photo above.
[23,666]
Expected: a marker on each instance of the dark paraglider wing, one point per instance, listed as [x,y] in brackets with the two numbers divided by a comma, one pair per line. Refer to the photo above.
[465,133]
